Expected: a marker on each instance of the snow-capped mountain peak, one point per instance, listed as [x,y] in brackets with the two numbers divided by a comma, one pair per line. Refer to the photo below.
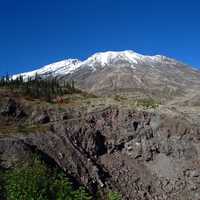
[105,58]
[111,57]
[101,59]
[111,71]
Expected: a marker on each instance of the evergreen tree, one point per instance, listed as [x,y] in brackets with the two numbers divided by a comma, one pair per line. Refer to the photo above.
[36,87]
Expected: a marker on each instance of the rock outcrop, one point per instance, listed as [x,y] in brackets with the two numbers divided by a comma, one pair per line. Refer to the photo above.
[143,154]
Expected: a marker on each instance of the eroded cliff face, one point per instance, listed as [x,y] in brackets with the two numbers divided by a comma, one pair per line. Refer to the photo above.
[143,154]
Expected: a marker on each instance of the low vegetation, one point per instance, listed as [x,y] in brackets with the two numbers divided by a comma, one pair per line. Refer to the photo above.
[114,196]
[6,129]
[147,103]
[119,98]
[39,182]
[144,103]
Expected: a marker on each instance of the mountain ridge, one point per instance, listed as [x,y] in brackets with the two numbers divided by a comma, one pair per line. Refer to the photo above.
[102,57]
[125,72]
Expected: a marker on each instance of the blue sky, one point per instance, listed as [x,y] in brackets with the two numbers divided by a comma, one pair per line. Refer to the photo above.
[37,32]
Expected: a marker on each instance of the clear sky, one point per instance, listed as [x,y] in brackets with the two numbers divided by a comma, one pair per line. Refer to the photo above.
[37,32]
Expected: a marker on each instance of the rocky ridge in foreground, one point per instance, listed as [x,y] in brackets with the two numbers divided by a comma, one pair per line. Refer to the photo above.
[143,153]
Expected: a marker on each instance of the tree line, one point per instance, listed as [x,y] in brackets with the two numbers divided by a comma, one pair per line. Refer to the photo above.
[38,87]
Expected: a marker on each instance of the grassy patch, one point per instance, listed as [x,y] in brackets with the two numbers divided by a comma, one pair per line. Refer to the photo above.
[119,98]
[6,129]
[147,103]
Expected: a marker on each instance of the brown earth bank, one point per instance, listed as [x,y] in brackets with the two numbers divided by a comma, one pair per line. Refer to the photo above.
[143,153]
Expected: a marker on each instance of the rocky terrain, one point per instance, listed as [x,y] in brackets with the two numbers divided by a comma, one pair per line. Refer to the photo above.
[140,136]
[143,153]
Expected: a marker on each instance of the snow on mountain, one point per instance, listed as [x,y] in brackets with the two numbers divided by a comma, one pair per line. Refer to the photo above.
[101,59]
[57,68]
[124,71]
[110,57]
[105,58]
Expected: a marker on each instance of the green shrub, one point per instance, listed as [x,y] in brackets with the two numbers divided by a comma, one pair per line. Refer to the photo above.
[114,196]
[81,194]
[38,182]
[27,183]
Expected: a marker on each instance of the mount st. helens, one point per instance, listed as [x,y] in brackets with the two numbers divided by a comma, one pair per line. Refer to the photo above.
[120,139]
[125,72]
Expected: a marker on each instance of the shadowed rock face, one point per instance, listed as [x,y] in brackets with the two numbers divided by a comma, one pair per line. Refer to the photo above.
[151,154]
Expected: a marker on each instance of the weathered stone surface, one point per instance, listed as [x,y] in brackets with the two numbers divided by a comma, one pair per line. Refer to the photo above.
[150,154]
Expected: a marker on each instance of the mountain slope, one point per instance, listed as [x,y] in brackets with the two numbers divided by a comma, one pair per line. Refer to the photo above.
[54,69]
[141,149]
[126,72]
